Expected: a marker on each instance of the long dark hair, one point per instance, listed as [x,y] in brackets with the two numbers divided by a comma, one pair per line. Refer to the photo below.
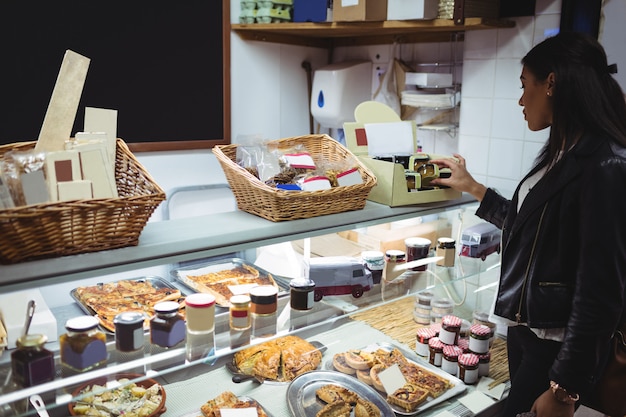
[586,98]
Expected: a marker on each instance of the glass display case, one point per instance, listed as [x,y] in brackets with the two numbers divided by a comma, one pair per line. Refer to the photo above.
[385,313]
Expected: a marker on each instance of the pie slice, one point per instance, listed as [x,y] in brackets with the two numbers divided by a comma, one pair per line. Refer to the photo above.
[409,397]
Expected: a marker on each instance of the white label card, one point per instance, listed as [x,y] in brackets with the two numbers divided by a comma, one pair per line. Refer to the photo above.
[241,289]
[392,138]
[348,3]
[239,412]
[476,401]
[392,378]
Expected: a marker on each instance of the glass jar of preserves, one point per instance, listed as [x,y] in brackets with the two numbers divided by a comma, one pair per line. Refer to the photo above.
[422,337]
[468,368]
[167,326]
[446,247]
[263,300]
[375,263]
[31,363]
[83,347]
[302,293]
[200,308]
[435,348]
[450,329]
[479,338]
[450,358]
[129,331]
[240,312]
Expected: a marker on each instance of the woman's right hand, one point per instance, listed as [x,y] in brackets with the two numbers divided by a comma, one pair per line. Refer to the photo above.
[460,179]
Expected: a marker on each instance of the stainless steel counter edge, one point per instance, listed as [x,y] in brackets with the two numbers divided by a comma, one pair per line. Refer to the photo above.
[192,238]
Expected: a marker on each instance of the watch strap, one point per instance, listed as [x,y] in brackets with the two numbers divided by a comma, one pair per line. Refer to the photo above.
[562,394]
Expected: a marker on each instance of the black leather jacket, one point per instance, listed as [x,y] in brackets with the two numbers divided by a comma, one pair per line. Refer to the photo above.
[564,256]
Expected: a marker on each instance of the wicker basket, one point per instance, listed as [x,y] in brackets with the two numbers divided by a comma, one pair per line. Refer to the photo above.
[72,227]
[253,196]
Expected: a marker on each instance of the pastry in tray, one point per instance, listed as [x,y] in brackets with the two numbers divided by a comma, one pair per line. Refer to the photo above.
[366,365]
[341,401]
[224,281]
[107,300]
[229,400]
[280,359]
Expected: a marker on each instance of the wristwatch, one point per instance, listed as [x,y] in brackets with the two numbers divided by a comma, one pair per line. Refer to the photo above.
[562,394]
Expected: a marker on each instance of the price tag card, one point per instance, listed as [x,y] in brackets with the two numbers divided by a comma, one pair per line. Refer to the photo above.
[392,378]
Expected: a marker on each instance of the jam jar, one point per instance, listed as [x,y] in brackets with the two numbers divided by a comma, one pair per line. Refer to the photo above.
[479,338]
[167,326]
[449,362]
[302,293]
[450,329]
[83,347]
[446,248]
[239,312]
[435,347]
[468,368]
[263,300]
[422,337]
[200,308]
[129,331]
[31,363]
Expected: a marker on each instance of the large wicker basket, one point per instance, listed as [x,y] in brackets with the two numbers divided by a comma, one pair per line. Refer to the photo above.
[72,227]
[253,196]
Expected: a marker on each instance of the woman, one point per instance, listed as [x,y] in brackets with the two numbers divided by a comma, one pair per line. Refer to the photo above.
[563,273]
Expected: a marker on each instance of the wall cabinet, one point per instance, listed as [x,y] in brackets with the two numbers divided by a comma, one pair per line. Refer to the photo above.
[167,245]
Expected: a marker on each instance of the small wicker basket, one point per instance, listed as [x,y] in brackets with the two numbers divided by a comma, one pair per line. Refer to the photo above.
[81,226]
[255,197]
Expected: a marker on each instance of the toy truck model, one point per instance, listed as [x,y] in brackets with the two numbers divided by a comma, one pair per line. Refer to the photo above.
[480,240]
[339,275]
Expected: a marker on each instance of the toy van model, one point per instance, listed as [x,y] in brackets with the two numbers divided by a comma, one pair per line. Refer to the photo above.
[480,240]
[339,275]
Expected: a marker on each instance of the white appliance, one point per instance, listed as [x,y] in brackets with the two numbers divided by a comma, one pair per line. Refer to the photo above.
[338,89]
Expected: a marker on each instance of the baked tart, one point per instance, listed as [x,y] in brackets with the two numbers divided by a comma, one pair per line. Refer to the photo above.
[409,397]
[359,359]
[340,364]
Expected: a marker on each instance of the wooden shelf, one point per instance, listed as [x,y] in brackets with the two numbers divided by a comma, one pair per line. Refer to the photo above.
[331,34]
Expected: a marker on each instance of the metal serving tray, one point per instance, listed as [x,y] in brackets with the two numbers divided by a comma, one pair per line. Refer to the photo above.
[303,401]
[155,281]
[241,398]
[181,274]
[457,388]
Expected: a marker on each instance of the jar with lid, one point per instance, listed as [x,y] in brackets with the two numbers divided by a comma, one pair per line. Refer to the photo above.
[239,312]
[200,312]
[263,300]
[83,347]
[483,364]
[393,257]
[479,338]
[422,337]
[468,368]
[435,347]
[167,326]
[450,329]
[417,248]
[129,331]
[302,291]
[31,363]
[450,358]
[375,263]
[439,308]
[446,247]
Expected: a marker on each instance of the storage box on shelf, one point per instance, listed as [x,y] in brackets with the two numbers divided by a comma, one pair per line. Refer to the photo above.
[81,226]
[255,197]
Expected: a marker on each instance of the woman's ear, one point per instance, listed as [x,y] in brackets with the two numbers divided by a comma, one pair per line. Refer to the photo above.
[550,80]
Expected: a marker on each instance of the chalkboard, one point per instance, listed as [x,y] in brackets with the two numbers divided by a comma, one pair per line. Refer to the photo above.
[158,63]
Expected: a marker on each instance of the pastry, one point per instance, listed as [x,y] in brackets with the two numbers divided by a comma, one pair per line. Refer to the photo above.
[340,364]
[364,408]
[359,359]
[228,400]
[363,375]
[417,375]
[376,382]
[280,359]
[331,393]
[409,396]
[335,409]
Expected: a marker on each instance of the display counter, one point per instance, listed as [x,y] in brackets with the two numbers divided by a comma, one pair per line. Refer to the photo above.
[194,372]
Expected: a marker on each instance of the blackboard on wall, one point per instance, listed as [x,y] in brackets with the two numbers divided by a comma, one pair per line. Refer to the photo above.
[158,63]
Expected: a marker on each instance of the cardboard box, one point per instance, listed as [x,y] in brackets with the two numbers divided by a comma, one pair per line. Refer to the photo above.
[359,10]
[391,188]
[310,10]
[412,9]
[382,238]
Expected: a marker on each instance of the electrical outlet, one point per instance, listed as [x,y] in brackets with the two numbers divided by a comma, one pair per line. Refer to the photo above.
[379,53]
